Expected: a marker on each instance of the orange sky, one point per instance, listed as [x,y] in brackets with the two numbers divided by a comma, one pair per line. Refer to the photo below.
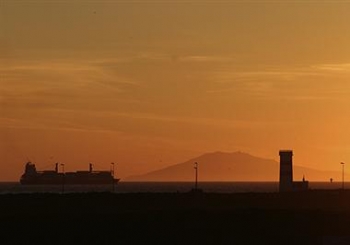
[152,83]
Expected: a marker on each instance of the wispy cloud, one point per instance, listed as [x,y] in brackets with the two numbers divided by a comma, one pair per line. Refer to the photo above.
[42,125]
[81,71]
[163,57]
[72,120]
[314,82]
[333,67]
[203,58]
[54,82]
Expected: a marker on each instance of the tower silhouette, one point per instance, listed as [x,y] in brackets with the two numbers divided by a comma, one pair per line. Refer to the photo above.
[286,170]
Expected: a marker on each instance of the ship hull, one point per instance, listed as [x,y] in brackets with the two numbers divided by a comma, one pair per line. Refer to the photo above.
[66,181]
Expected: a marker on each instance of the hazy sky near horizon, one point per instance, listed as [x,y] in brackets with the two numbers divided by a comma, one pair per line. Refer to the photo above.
[147,84]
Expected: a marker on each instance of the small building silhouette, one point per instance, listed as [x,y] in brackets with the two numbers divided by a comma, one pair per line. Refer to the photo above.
[286,174]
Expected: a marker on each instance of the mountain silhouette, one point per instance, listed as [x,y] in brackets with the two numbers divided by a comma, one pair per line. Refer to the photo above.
[236,166]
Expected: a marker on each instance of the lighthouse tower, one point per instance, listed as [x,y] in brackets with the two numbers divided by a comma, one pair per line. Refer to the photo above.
[286,171]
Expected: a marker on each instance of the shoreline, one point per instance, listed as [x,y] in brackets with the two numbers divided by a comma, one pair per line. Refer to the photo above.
[309,217]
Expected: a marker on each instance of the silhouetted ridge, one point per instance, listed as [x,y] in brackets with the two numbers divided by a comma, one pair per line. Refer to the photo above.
[234,166]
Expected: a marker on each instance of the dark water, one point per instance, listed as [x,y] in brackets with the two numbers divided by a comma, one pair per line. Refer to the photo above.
[135,187]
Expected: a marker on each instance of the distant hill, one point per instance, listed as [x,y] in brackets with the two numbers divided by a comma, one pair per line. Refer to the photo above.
[236,166]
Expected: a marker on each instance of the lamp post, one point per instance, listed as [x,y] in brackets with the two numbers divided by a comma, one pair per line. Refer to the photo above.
[113,180]
[63,174]
[196,175]
[343,164]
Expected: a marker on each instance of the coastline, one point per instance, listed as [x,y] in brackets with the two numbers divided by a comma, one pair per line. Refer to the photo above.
[310,217]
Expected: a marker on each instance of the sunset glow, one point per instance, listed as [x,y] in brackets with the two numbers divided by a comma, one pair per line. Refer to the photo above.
[153,83]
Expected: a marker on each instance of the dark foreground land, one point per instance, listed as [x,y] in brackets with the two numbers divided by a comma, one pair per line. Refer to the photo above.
[314,217]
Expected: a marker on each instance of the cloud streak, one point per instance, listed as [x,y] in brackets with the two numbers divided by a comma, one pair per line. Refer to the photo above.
[333,67]
[317,82]
[57,82]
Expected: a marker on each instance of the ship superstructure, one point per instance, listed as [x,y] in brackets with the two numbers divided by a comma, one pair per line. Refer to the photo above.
[53,177]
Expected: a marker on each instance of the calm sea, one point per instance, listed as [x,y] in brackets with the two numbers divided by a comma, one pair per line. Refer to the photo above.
[135,187]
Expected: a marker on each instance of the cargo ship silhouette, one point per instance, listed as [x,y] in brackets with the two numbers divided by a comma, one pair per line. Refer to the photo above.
[53,177]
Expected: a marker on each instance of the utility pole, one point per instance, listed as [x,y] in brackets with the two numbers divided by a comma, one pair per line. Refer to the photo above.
[343,164]
[63,175]
[113,177]
[196,175]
